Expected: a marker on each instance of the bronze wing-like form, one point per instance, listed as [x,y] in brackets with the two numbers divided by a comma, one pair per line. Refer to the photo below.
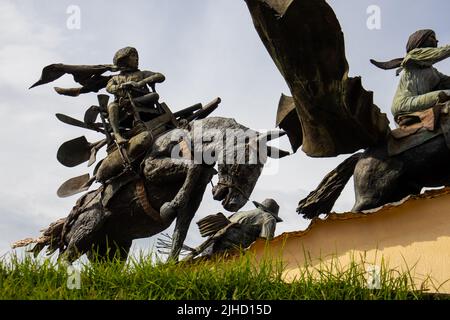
[305,40]
[89,76]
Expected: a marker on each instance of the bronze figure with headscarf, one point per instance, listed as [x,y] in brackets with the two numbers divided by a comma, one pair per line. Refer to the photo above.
[421,86]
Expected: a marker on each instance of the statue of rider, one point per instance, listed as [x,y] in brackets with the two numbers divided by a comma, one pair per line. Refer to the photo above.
[421,85]
[131,83]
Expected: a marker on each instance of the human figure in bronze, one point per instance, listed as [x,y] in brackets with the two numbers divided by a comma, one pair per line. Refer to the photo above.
[330,113]
[239,230]
[131,83]
[156,188]
[416,154]
[421,85]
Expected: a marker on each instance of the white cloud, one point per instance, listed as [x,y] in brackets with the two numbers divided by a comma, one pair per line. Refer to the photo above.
[25,46]
[21,29]
[27,165]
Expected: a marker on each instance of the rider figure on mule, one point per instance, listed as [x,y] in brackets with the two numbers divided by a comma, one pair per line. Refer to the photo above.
[131,82]
[421,85]
[133,102]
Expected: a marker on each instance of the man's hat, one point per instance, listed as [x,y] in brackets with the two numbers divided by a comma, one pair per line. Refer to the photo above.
[271,206]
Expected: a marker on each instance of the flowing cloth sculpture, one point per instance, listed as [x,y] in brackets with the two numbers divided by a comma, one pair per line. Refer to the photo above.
[330,113]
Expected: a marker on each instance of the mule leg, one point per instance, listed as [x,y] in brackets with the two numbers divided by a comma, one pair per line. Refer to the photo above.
[186,214]
[83,231]
[160,170]
[380,180]
[188,198]
[170,210]
[376,180]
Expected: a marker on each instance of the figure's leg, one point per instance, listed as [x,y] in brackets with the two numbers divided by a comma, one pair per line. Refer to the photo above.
[163,170]
[114,119]
[420,103]
[147,101]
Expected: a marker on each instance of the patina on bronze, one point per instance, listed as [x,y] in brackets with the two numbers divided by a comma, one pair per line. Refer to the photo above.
[143,188]
[238,231]
[306,42]
[130,84]
[337,116]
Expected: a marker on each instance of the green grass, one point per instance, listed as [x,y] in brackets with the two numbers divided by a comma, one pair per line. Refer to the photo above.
[220,279]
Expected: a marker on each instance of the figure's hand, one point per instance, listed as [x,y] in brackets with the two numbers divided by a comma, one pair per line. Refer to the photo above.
[129,85]
[443,97]
[120,140]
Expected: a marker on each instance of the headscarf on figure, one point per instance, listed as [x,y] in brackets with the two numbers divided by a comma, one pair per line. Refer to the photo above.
[421,86]
[419,39]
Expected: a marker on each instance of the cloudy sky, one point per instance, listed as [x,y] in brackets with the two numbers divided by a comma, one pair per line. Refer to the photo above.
[206,49]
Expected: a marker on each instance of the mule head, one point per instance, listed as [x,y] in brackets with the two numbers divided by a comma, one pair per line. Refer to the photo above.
[241,166]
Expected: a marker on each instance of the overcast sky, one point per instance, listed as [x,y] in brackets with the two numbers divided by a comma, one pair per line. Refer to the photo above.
[206,49]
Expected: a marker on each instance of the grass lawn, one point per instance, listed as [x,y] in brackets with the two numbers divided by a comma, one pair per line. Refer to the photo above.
[221,279]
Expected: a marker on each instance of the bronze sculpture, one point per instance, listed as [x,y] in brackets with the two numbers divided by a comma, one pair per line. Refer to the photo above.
[331,114]
[238,231]
[130,84]
[421,86]
[157,168]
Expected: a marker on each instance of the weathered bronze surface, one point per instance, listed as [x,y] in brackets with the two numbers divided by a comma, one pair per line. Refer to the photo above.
[288,120]
[239,230]
[335,115]
[143,187]
[305,41]
[90,77]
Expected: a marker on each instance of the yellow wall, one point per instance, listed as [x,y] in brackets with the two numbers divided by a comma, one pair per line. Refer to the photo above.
[414,234]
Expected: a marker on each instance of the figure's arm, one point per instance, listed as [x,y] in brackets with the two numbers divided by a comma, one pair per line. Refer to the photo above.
[426,57]
[149,79]
[268,229]
[112,86]
[152,77]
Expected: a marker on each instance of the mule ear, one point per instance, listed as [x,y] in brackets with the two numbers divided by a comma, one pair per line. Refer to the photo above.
[271,135]
[276,153]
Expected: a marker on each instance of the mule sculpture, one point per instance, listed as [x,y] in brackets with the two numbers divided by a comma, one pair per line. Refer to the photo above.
[384,175]
[170,185]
